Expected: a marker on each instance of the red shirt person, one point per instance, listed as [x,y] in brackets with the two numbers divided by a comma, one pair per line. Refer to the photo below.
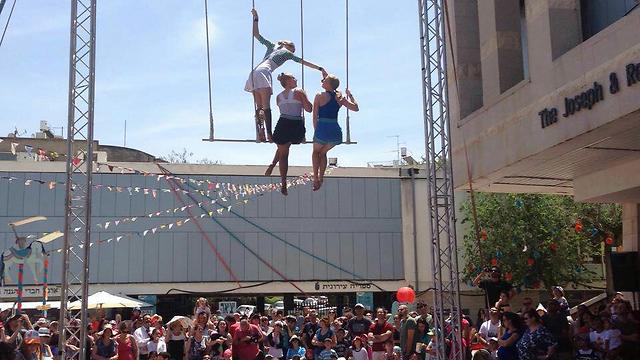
[379,332]
[246,340]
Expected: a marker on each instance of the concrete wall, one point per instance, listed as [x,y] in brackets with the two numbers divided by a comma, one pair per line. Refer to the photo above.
[353,222]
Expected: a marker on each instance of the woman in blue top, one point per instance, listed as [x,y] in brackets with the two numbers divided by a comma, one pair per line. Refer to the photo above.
[259,82]
[509,340]
[325,121]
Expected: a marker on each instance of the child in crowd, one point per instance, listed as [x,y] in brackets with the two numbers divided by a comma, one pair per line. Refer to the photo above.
[358,352]
[342,343]
[202,305]
[328,351]
[389,354]
[584,352]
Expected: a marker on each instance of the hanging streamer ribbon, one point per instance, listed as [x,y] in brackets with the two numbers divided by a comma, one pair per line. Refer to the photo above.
[20,284]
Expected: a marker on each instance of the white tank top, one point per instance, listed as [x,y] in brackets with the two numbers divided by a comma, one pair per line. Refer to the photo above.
[290,108]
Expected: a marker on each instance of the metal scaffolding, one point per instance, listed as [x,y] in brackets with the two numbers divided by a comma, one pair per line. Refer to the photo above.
[77,235]
[444,256]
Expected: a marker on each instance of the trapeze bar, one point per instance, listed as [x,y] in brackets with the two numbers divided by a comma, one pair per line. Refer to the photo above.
[254,141]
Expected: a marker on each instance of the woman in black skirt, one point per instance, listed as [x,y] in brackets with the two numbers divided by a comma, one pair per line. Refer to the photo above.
[292,101]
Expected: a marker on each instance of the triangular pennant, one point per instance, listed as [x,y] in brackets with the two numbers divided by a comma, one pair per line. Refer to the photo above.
[14,146]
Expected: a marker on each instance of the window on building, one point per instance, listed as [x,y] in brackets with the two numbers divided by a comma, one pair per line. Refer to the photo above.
[598,14]
[523,40]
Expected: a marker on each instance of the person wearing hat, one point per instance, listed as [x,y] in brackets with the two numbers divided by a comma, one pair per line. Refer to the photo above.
[106,347]
[358,351]
[359,325]
[327,352]
[295,348]
[45,336]
[30,347]
[14,328]
[490,280]
[558,295]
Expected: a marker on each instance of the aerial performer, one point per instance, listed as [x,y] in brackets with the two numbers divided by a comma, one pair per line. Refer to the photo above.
[259,82]
[292,101]
[325,122]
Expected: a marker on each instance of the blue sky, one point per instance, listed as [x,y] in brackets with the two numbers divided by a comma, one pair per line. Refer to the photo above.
[151,71]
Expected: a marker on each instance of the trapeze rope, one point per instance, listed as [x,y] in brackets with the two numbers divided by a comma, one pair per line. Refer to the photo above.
[206,18]
[302,45]
[6,26]
[230,233]
[288,243]
[173,186]
[347,63]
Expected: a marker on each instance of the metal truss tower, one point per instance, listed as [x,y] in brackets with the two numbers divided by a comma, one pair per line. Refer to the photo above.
[444,254]
[77,235]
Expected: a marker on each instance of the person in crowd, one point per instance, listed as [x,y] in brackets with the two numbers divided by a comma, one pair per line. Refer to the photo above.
[503,302]
[54,339]
[196,347]
[327,351]
[492,283]
[558,295]
[583,350]
[489,328]
[156,342]
[175,340]
[358,325]
[556,322]
[481,317]
[541,310]
[264,325]
[202,319]
[142,337]
[513,331]
[220,340]
[342,343]
[105,347]
[389,354]
[290,330]
[126,344]
[614,339]
[309,330]
[379,332]
[422,338]
[73,344]
[202,305]
[164,356]
[45,337]
[325,122]
[30,347]
[323,332]
[582,320]
[536,342]
[275,341]
[260,80]
[358,351]
[407,332]
[295,348]
[527,304]
[14,327]
[246,340]
[629,330]
[493,348]
[423,312]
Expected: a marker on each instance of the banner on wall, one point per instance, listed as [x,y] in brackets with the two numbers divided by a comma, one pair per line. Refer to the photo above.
[28,292]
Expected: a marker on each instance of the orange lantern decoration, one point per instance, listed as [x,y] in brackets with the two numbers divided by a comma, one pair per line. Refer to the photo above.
[406,295]
[530,261]
[578,226]
[554,247]
[483,234]
[508,276]
[494,262]
[609,240]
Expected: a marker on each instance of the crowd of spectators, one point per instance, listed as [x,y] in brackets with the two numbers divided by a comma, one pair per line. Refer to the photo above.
[502,332]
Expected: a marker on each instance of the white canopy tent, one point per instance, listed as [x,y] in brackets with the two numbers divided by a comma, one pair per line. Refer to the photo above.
[104,300]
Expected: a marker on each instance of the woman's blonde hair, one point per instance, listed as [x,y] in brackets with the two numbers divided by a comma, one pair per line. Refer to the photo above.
[283,77]
[287,43]
[334,82]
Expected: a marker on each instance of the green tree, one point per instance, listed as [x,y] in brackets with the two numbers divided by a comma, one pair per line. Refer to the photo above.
[536,239]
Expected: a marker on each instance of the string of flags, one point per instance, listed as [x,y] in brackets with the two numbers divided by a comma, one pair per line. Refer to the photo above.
[303,180]
[220,189]
[38,154]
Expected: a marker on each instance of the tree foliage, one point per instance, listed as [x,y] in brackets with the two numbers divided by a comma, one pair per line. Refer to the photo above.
[535,239]
[186,157]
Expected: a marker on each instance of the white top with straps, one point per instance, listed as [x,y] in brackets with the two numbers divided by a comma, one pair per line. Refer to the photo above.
[290,108]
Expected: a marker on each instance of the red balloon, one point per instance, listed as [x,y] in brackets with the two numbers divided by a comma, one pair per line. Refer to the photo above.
[406,294]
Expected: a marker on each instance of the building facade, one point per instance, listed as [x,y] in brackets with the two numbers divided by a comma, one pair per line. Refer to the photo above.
[545,97]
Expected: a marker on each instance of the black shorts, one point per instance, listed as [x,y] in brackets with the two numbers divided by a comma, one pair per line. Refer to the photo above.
[289,131]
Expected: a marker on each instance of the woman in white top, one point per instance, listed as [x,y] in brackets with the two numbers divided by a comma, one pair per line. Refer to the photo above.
[290,129]
[156,342]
